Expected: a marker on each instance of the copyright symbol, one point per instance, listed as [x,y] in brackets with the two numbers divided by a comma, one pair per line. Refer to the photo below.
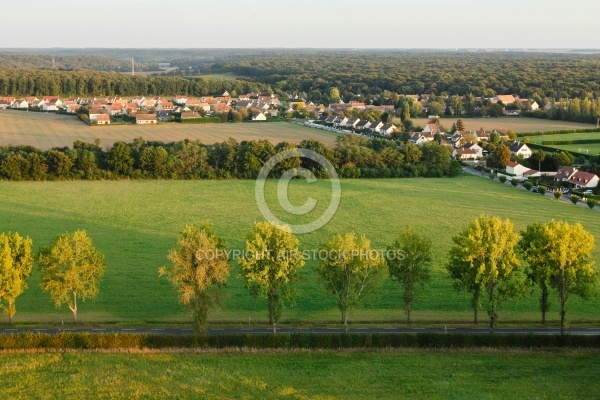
[282,189]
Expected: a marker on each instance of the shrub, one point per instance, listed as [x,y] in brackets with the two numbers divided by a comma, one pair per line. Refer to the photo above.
[527,185]
[591,203]
[541,190]
[502,178]
[514,182]
[557,194]
[491,176]
[574,198]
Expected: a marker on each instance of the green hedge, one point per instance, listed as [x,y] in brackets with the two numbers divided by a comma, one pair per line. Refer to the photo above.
[290,341]
[205,120]
[562,142]
[560,132]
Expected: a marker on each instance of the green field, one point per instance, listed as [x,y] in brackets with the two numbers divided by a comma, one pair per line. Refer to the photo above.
[592,149]
[45,131]
[303,375]
[135,223]
[517,124]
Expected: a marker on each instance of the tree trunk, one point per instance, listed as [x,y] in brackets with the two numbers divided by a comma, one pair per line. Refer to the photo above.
[562,316]
[273,311]
[11,312]
[475,305]
[408,313]
[74,309]
[345,319]
[544,304]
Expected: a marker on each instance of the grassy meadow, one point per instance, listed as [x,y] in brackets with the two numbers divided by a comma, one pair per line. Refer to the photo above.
[45,131]
[517,124]
[592,149]
[404,374]
[135,223]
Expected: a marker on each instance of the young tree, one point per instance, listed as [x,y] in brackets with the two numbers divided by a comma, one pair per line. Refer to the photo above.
[71,269]
[483,261]
[460,125]
[271,263]
[120,159]
[409,262]
[199,265]
[565,250]
[16,263]
[534,247]
[350,270]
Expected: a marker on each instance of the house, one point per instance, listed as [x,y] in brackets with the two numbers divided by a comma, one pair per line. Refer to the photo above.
[114,109]
[421,137]
[579,179]
[362,124]
[357,105]
[164,116]
[93,113]
[4,104]
[139,100]
[464,154]
[505,99]
[432,128]
[376,125]
[340,121]
[131,108]
[516,169]
[351,123]
[483,135]
[222,108]
[386,108]
[474,146]
[103,119]
[520,149]
[165,106]
[145,119]
[387,129]
[73,108]
[259,117]
[190,115]
[181,99]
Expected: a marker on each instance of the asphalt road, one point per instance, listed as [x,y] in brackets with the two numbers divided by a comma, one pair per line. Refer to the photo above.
[261,331]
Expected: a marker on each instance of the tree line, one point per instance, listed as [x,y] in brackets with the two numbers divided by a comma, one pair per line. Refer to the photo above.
[485,261]
[88,83]
[352,156]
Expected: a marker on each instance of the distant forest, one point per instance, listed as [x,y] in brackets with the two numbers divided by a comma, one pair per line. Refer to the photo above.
[309,73]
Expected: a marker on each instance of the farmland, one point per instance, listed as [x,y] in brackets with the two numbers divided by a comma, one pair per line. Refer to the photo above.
[515,123]
[135,223]
[45,131]
[303,375]
[588,148]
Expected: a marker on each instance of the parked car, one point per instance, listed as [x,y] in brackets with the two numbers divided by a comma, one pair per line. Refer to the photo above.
[588,191]
[565,190]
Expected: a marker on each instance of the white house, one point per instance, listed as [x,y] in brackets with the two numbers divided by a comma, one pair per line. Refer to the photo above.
[520,149]
[21,103]
[579,179]
[464,154]
[421,137]
[145,119]
[432,128]
[259,117]
[474,146]
[375,126]
[516,169]
[387,129]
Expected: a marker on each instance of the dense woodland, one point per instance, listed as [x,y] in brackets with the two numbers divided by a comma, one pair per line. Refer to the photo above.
[315,73]
[482,74]
[353,157]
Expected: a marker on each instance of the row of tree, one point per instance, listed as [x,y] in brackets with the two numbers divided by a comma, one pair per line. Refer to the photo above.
[576,109]
[352,156]
[484,261]
[70,266]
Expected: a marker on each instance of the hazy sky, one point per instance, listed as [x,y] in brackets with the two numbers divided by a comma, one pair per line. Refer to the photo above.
[301,23]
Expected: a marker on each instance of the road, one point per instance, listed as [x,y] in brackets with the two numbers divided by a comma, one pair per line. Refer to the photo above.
[262,331]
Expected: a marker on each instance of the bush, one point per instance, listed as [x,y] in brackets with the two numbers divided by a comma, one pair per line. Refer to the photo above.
[514,182]
[574,198]
[528,185]
[557,194]
[492,176]
[591,203]
[502,178]
[541,190]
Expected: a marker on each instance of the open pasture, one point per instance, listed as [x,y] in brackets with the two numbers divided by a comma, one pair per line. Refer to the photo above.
[45,131]
[517,124]
[303,375]
[135,223]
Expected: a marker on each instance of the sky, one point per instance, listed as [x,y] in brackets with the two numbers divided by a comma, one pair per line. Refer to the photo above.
[301,23]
